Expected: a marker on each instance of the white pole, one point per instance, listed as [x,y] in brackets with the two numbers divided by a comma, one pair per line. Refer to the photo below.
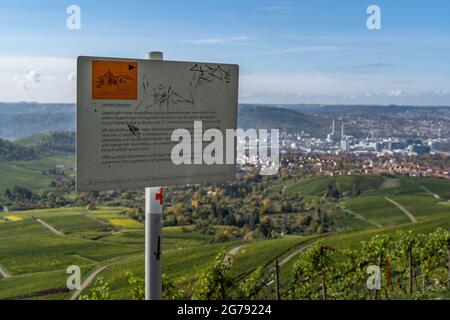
[153,230]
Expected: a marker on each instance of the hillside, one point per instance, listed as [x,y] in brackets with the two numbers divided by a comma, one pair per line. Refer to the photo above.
[29,174]
[337,110]
[259,220]
[34,258]
[22,119]
[258,116]
[50,143]
[13,152]
[379,200]
[35,147]
[19,120]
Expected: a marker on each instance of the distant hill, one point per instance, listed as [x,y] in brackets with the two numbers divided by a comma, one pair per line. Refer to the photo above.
[369,109]
[13,152]
[38,146]
[22,119]
[19,120]
[51,142]
[269,117]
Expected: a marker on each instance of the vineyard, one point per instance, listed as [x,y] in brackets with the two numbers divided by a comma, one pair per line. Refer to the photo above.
[370,248]
[392,264]
[402,264]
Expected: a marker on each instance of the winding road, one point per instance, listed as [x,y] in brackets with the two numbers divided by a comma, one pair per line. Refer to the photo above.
[403,209]
[289,257]
[87,282]
[301,248]
[229,257]
[96,220]
[360,217]
[49,227]
[428,191]
[3,273]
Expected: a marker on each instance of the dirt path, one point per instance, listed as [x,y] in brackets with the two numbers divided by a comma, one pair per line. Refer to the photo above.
[301,248]
[3,273]
[428,191]
[289,257]
[229,257]
[49,227]
[96,220]
[87,282]
[403,209]
[360,217]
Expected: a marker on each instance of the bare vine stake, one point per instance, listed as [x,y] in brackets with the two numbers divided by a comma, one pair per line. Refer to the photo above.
[448,248]
[410,264]
[277,279]
[378,291]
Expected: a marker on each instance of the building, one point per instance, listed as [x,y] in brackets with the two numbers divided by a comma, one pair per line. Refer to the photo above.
[396,146]
[421,149]
[345,146]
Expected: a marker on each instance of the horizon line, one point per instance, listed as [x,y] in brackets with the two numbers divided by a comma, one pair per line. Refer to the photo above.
[271,104]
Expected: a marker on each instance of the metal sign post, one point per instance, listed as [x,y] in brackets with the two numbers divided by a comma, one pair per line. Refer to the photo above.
[153,234]
[153,231]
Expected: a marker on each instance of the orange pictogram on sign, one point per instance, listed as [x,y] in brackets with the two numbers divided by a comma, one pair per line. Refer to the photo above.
[114,80]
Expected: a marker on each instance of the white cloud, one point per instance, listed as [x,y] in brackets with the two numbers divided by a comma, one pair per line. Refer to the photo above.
[27,80]
[216,40]
[396,93]
[442,92]
[71,76]
[342,88]
[36,79]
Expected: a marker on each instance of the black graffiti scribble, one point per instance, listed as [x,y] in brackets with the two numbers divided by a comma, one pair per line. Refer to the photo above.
[157,253]
[134,130]
[166,96]
[206,73]
[146,87]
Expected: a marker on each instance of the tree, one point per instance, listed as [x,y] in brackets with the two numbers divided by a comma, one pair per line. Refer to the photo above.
[312,271]
[333,192]
[214,280]
[434,253]
[251,286]
[376,251]
[265,226]
[169,292]
[137,286]
[7,194]
[100,291]
[349,278]
[404,258]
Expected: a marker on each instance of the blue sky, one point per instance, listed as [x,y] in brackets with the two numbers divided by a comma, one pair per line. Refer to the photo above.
[288,51]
